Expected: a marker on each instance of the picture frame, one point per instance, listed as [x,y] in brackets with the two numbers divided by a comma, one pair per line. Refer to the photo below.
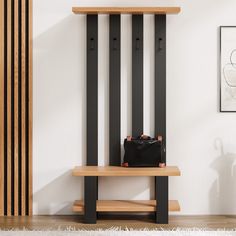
[227,68]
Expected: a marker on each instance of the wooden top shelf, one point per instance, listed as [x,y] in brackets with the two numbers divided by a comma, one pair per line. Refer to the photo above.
[126,10]
[125,171]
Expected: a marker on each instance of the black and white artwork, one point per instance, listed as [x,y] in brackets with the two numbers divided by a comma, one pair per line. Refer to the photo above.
[228,69]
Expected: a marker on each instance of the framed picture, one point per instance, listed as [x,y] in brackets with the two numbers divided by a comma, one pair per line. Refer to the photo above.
[228,68]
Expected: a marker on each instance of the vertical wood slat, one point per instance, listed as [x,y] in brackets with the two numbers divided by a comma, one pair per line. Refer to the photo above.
[23,104]
[16,107]
[2,108]
[137,75]
[114,91]
[9,109]
[30,105]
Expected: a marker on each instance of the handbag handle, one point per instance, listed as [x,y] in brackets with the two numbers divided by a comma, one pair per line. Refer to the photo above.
[160,139]
[142,137]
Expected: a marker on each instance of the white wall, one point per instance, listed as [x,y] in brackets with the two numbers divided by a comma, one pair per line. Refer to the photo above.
[200,140]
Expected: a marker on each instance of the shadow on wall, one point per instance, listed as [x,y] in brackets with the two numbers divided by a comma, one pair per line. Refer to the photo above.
[222,195]
[59,117]
[60,91]
[60,122]
[50,200]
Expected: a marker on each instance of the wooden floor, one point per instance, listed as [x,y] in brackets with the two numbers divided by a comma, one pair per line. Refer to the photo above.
[123,222]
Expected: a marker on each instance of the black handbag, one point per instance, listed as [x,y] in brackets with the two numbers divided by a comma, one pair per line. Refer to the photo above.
[143,151]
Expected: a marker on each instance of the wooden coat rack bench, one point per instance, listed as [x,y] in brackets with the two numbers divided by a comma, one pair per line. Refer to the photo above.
[91,205]
[126,205]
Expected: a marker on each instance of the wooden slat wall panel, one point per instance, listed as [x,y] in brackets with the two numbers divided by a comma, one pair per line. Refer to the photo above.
[9,108]
[1,109]
[30,104]
[15,107]
[23,100]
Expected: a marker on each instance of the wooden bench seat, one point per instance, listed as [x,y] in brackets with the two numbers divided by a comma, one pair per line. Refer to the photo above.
[125,171]
[125,205]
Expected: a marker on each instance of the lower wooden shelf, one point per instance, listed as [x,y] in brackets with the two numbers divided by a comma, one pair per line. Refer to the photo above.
[126,206]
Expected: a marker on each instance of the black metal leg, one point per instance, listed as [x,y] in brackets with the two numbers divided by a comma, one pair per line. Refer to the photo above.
[162,215]
[90,198]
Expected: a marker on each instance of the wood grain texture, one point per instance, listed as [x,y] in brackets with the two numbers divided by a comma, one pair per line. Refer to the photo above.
[1,108]
[9,108]
[121,221]
[16,108]
[23,107]
[126,10]
[124,171]
[126,206]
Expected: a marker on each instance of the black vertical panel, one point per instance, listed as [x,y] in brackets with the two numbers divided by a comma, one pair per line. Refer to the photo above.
[160,77]
[162,199]
[161,183]
[90,185]
[137,75]
[92,89]
[114,91]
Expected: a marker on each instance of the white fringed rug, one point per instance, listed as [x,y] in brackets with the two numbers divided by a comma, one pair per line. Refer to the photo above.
[120,233]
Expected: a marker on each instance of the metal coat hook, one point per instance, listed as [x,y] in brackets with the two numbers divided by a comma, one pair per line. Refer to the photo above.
[91,43]
[114,43]
[137,46]
[160,43]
